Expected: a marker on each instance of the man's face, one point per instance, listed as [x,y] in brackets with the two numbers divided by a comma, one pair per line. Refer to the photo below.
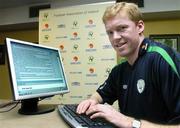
[124,34]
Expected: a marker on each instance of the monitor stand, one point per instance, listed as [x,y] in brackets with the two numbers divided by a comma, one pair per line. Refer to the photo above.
[31,107]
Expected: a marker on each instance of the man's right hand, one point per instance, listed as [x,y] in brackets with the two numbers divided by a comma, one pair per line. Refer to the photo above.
[85,105]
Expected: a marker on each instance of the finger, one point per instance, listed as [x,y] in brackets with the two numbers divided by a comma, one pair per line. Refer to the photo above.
[92,109]
[79,108]
[82,107]
[98,115]
[85,107]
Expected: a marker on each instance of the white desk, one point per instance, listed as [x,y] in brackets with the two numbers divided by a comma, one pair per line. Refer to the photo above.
[12,119]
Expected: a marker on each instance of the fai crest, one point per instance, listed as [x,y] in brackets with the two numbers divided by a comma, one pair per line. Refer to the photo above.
[140,85]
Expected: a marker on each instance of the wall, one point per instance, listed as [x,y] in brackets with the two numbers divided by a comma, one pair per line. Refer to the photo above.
[151,27]
[162,27]
[28,35]
[89,29]
[160,5]
[20,14]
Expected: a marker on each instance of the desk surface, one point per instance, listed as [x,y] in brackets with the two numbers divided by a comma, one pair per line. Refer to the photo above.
[12,119]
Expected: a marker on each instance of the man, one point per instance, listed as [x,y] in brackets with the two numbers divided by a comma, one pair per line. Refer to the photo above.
[147,85]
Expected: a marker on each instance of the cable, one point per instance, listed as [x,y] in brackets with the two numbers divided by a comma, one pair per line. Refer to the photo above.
[2,105]
[8,104]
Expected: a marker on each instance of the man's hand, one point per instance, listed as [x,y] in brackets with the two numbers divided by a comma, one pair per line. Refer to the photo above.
[110,114]
[85,105]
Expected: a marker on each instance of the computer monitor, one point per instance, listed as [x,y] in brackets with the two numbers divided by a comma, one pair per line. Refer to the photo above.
[36,71]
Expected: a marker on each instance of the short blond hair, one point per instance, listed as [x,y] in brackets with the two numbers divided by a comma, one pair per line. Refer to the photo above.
[131,10]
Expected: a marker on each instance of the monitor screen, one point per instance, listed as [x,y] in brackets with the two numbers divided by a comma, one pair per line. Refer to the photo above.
[36,71]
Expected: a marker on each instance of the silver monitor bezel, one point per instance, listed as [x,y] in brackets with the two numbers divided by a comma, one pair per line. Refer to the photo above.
[13,75]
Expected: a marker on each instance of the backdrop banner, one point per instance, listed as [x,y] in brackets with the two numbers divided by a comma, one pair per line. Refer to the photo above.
[87,54]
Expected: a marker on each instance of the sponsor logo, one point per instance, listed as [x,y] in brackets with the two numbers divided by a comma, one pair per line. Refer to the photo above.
[107,46]
[62,49]
[46,15]
[46,37]
[76,72]
[91,48]
[62,37]
[75,46]
[75,83]
[108,70]
[75,25]
[91,73]
[107,59]
[92,84]
[46,27]
[90,35]
[76,97]
[61,26]
[91,70]
[75,60]
[90,21]
[91,45]
[90,24]
[75,36]
[91,58]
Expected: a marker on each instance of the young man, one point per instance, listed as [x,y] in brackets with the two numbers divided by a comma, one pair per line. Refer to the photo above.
[147,85]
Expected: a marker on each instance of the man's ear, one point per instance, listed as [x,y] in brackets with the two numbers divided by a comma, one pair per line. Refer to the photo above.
[140,26]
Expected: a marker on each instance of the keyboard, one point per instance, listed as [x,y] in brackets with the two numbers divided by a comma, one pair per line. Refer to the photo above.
[68,113]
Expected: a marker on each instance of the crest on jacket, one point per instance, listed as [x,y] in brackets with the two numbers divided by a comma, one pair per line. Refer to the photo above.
[140,85]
